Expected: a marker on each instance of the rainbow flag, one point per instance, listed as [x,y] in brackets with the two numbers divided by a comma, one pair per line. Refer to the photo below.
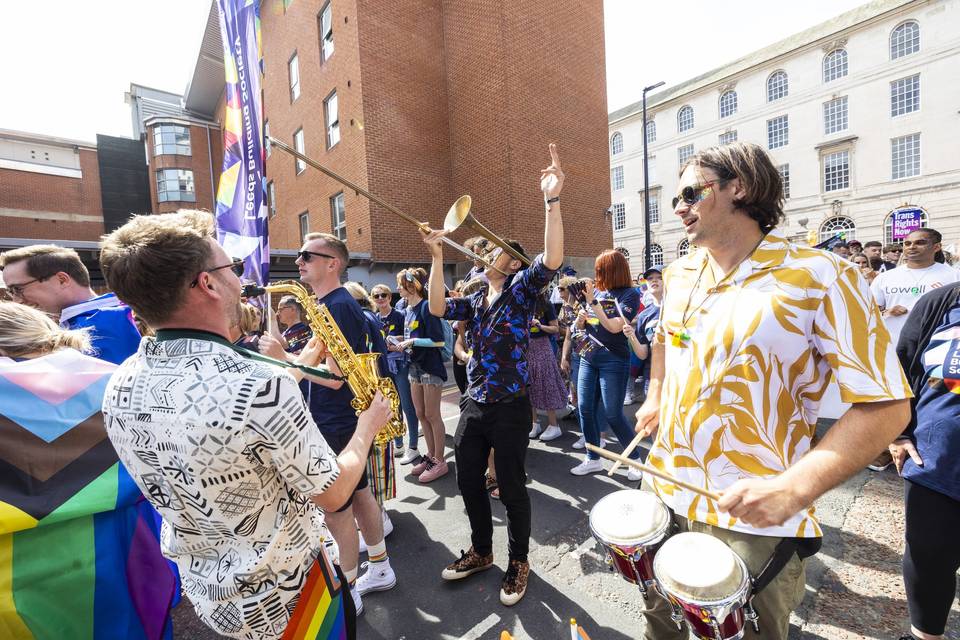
[79,546]
[319,612]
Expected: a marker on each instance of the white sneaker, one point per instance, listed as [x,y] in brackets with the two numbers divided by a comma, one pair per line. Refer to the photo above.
[410,456]
[378,577]
[587,467]
[357,602]
[398,450]
[567,410]
[581,443]
[535,431]
[552,433]
[634,475]
[628,400]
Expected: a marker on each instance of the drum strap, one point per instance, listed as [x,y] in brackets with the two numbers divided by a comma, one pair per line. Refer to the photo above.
[803,547]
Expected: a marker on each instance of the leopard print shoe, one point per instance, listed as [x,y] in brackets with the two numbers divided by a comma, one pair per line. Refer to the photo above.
[514,582]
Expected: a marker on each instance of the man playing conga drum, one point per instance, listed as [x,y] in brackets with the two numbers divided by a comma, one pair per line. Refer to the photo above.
[752,329]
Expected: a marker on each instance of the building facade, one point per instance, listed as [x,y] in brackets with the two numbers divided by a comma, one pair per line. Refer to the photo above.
[860,113]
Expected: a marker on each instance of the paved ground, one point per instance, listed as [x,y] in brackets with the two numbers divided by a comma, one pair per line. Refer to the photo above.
[853,585]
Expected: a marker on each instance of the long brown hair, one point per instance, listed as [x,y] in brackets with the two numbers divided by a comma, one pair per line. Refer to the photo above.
[612,270]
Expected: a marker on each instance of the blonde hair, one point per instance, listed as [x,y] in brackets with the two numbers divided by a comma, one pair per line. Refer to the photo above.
[356,290]
[378,288]
[25,330]
[566,281]
[249,318]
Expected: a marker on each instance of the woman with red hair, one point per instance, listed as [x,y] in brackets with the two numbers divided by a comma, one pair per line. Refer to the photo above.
[605,363]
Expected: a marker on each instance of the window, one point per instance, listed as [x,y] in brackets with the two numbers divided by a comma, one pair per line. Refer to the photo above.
[836,171]
[299,164]
[332,119]
[727,137]
[683,248]
[888,226]
[685,119]
[652,170]
[653,205]
[835,115]
[616,177]
[778,86]
[325,20]
[835,65]
[624,251]
[171,139]
[905,95]
[784,170]
[651,131]
[175,185]
[728,104]
[293,67]
[838,226]
[616,144]
[619,216]
[905,156]
[684,153]
[266,134]
[338,217]
[271,199]
[778,132]
[905,40]
[656,256]
[304,224]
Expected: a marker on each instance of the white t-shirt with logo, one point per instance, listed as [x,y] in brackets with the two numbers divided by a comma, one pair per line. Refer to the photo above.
[904,286]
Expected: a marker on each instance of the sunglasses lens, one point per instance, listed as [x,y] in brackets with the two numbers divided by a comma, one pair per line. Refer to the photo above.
[689,195]
[304,255]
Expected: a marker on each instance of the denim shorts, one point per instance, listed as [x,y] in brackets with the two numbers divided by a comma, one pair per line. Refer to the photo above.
[418,376]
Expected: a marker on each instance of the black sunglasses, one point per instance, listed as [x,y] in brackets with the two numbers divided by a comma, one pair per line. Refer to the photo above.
[694,194]
[380,296]
[236,265]
[306,255]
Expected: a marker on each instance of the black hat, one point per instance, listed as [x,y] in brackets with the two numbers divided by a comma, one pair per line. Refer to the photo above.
[653,269]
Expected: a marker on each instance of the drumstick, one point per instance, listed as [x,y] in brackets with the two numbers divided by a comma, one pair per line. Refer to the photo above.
[654,472]
[626,452]
[634,343]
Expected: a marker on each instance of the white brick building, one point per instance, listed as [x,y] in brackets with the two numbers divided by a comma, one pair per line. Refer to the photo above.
[861,112]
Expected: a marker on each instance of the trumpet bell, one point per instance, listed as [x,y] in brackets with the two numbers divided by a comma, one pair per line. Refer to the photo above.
[458,213]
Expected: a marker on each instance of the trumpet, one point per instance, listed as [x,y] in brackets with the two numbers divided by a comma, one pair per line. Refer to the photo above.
[359,369]
[457,216]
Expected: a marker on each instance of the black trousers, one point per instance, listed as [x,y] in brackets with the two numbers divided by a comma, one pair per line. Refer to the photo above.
[460,375]
[504,426]
[931,557]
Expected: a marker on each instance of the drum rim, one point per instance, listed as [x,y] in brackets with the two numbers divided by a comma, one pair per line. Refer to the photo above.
[655,536]
[740,597]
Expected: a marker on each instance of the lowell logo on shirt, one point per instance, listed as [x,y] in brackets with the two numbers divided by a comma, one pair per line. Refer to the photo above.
[917,291]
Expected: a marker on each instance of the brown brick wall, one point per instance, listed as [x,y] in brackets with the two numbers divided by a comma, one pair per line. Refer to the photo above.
[200,161]
[45,193]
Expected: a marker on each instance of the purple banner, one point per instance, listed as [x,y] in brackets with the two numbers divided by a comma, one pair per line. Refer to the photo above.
[906,221]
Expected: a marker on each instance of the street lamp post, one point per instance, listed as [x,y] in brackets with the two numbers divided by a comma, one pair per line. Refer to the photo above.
[646,182]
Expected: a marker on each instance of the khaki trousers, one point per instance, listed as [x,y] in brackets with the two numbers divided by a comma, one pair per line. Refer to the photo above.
[773,605]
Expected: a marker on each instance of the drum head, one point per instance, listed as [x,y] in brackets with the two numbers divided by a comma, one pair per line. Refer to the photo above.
[628,517]
[698,567]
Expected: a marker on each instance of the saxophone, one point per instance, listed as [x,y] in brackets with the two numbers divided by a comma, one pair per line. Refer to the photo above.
[360,369]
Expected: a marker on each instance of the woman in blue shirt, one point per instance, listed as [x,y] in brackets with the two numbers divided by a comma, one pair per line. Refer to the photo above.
[608,365]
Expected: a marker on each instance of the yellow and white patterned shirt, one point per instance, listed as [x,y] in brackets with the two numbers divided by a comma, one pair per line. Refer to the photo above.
[741,393]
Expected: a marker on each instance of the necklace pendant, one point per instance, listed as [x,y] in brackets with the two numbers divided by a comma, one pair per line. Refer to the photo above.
[680,339]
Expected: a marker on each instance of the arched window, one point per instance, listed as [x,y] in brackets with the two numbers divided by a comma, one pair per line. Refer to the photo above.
[778,86]
[904,40]
[888,227]
[838,225]
[685,119]
[835,65]
[728,104]
[616,143]
[624,251]
[651,131]
[683,248]
[656,256]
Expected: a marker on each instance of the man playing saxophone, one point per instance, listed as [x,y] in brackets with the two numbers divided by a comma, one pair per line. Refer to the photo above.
[321,261]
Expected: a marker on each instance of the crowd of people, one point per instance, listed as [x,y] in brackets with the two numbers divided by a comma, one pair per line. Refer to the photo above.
[235,423]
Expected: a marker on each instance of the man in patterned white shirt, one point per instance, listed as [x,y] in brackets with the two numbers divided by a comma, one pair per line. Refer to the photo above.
[222,444]
[752,330]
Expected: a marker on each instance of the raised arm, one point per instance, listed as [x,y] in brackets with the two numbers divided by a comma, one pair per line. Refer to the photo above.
[551,183]
[436,292]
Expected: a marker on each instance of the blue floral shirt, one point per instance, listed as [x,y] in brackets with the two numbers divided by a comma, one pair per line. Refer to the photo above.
[499,334]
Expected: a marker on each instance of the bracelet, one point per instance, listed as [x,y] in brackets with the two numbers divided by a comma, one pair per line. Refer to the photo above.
[552,200]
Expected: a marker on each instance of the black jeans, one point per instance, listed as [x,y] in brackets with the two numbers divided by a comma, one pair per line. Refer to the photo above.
[504,426]
[931,557]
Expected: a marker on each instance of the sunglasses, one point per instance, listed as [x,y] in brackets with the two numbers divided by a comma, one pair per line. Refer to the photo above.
[306,255]
[694,194]
[380,296]
[236,265]
[16,290]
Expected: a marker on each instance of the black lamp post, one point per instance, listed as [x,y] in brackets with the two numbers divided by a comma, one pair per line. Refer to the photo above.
[646,182]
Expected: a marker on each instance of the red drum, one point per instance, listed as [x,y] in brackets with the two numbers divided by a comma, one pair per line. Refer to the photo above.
[630,525]
[707,585]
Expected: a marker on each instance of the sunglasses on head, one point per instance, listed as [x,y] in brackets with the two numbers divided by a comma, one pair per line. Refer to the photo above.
[236,265]
[694,194]
[306,255]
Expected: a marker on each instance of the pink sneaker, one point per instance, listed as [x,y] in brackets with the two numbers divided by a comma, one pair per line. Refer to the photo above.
[438,469]
[425,463]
